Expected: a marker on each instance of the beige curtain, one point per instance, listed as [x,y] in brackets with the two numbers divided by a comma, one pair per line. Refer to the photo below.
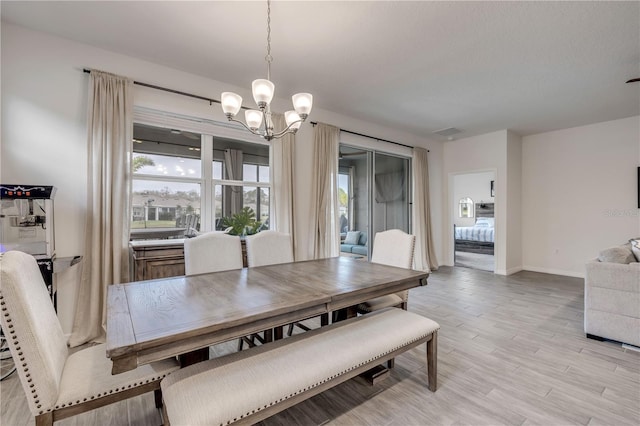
[233,194]
[425,256]
[281,216]
[106,256]
[324,198]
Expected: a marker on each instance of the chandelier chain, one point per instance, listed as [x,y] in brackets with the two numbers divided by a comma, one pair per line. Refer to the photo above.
[259,122]
[268,58]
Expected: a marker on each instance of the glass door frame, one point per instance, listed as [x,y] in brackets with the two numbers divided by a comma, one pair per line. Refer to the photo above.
[371,160]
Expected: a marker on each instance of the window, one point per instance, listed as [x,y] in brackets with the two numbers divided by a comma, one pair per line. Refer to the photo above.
[241,179]
[170,181]
[257,197]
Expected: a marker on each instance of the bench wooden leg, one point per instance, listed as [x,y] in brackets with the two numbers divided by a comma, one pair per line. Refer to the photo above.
[432,361]
[45,419]
[165,417]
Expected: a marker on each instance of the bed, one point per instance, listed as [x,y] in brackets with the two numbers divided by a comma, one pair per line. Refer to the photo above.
[480,237]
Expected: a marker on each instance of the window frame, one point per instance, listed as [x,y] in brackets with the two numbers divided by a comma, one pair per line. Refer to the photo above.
[208,130]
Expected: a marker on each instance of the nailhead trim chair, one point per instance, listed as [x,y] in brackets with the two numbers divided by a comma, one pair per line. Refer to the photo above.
[58,384]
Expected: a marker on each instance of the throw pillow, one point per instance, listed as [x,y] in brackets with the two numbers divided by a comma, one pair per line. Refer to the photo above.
[485,221]
[352,238]
[635,248]
[617,255]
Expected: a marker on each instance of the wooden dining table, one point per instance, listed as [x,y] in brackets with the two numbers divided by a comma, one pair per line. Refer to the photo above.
[157,319]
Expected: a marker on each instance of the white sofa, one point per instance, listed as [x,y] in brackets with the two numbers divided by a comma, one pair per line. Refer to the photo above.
[612,301]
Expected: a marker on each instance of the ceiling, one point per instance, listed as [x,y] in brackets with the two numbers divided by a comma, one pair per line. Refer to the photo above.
[418,66]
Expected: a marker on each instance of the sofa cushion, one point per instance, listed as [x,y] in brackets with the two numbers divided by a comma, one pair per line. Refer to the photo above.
[352,237]
[361,250]
[620,254]
[346,248]
[363,239]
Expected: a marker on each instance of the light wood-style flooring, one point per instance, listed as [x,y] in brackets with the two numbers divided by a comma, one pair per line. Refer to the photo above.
[511,350]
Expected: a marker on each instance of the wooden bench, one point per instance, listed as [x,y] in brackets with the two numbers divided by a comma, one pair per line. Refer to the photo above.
[251,385]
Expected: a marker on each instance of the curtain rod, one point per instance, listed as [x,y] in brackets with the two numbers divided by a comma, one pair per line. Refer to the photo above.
[370,137]
[177,92]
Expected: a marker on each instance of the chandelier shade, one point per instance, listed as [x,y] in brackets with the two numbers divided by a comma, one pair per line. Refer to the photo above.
[259,121]
[262,91]
[302,103]
[293,119]
[253,118]
[231,103]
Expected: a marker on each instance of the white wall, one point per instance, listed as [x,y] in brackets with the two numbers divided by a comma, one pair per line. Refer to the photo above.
[44,102]
[513,260]
[476,186]
[473,155]
[579,194]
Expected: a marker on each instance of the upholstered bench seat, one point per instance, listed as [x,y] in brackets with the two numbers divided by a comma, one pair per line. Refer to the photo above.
[251,385]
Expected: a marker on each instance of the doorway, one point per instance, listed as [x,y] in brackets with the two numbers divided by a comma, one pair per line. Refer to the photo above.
[474,220]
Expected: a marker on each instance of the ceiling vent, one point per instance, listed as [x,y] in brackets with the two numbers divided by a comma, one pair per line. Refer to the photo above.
[448,132]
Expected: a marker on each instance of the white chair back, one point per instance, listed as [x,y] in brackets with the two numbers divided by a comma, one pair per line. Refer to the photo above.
[394,248]
[212,252]
[269,248]
[30,323]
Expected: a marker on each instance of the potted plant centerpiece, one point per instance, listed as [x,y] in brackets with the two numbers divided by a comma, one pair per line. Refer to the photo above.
[242,223]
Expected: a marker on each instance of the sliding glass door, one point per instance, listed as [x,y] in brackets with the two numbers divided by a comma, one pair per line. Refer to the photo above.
[391,193]
[374,195]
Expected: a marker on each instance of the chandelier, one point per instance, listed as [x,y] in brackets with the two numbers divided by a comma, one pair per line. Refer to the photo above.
[259,121]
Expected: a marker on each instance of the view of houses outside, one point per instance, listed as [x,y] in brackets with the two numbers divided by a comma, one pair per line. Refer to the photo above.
[169,180]
[167,204]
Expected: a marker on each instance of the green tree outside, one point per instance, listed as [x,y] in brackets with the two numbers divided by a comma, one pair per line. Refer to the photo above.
[140,161]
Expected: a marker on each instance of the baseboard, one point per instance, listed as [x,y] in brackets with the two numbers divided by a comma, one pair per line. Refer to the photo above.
[553,271]
[511,271]
[514,270]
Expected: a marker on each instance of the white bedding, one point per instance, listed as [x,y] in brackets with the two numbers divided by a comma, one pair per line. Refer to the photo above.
[483,231]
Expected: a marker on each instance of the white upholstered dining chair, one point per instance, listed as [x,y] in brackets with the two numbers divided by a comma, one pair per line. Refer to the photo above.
[212,252]
[393,248]
[272,248]
[60,384]
[268,248]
